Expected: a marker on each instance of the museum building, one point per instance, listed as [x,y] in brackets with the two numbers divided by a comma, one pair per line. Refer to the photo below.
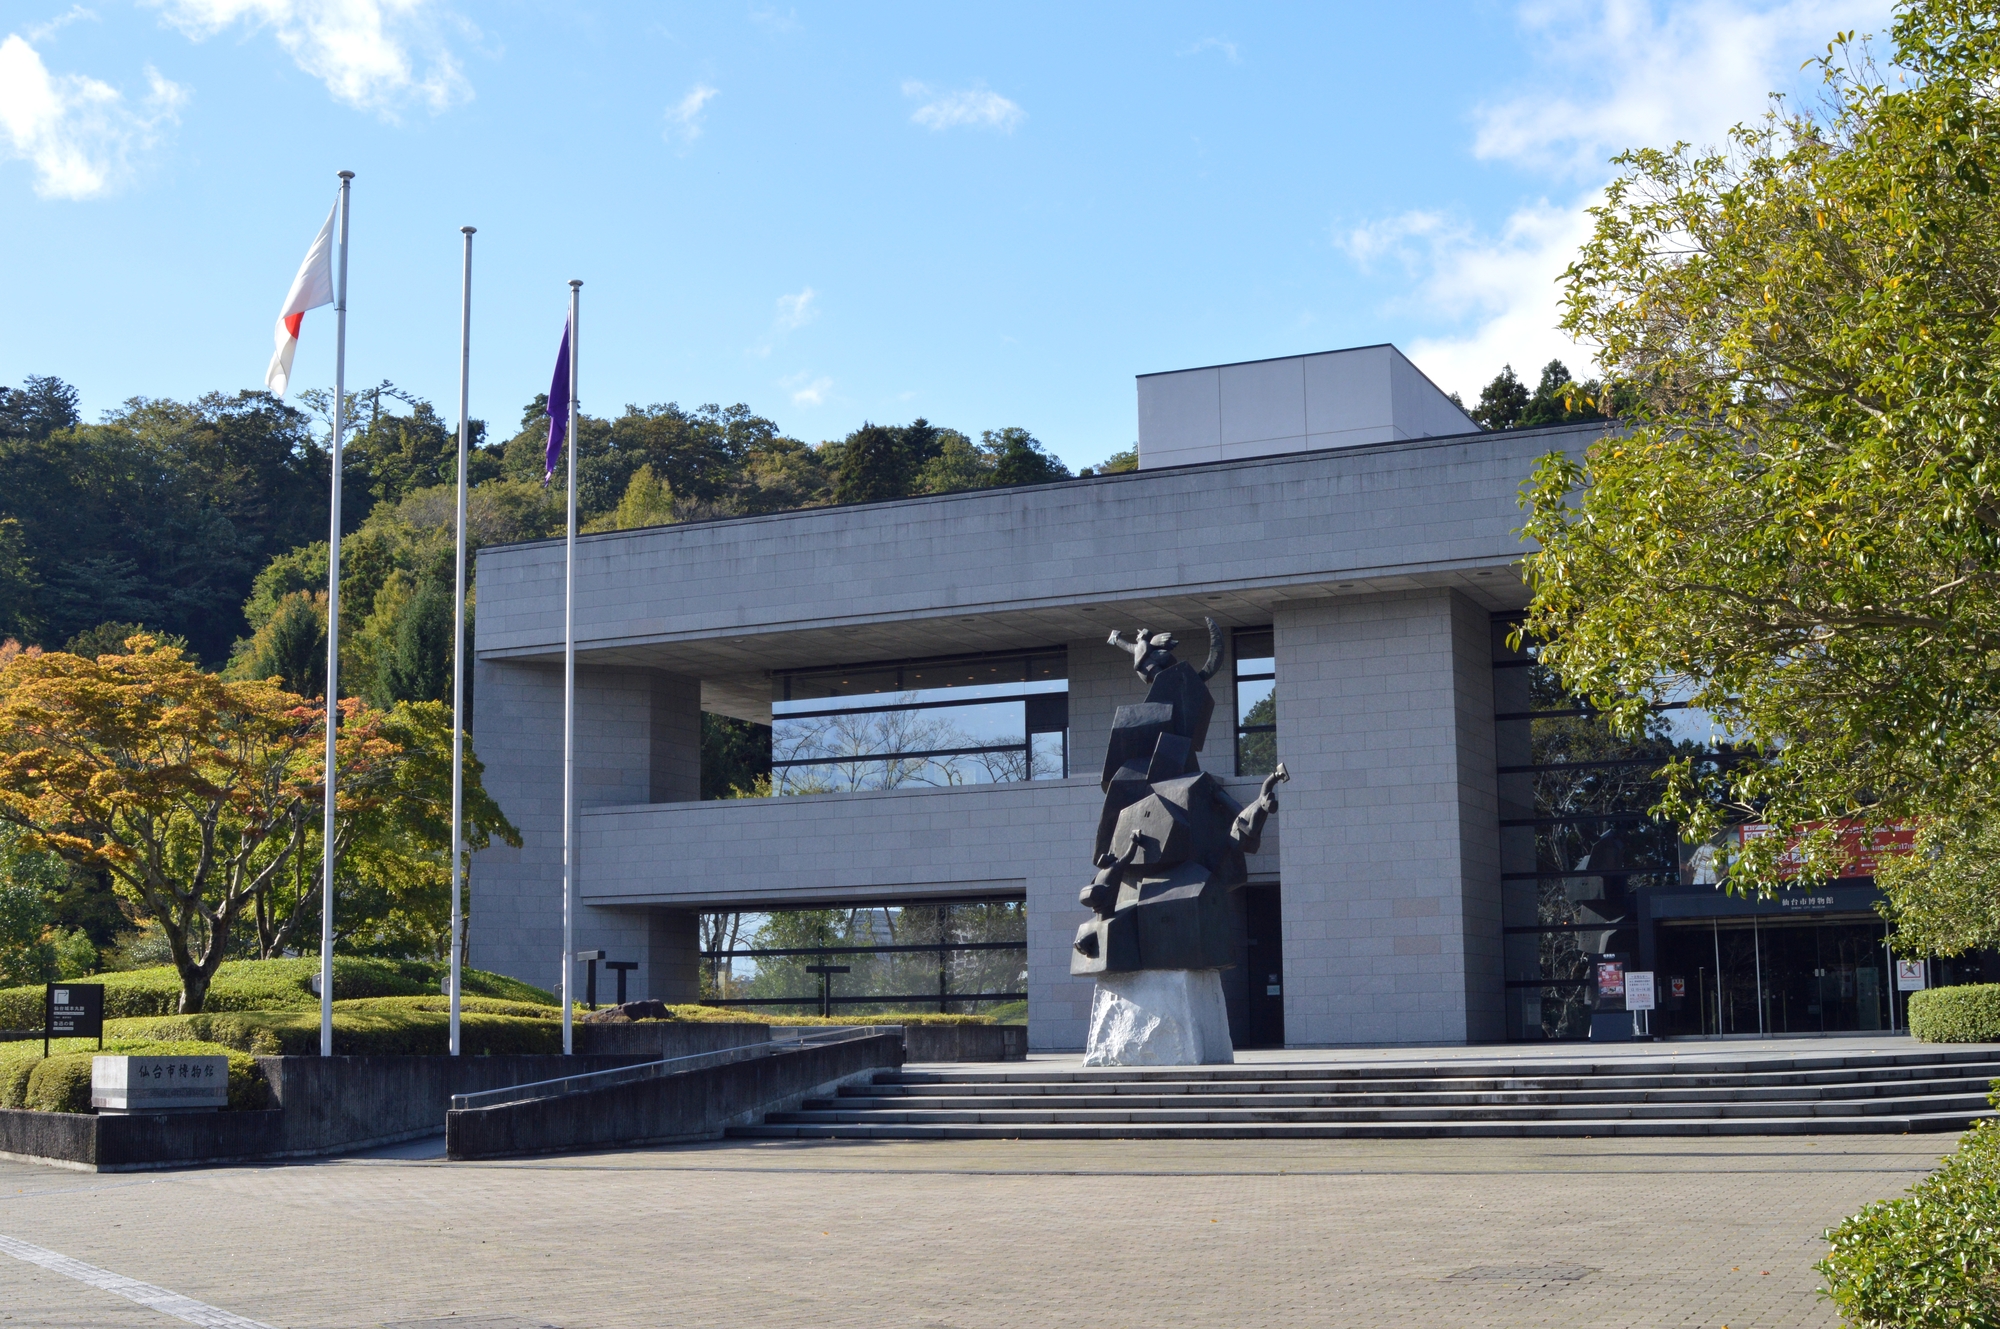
[938,684]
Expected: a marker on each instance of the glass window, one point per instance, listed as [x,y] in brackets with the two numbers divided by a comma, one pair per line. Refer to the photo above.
[959,720]
[1256,702]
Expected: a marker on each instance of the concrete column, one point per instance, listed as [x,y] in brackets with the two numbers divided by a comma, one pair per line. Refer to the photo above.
[1390,857]
[673,955]
[516,918]
[675,733]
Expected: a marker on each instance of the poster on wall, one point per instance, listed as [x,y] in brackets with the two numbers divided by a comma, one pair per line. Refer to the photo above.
[1910,976]
[1610,979]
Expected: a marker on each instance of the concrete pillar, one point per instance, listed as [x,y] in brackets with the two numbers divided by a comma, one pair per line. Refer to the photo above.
[638,735]
[673,955]
[1390,857]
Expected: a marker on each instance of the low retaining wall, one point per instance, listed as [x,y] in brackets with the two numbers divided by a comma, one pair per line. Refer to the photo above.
[965,1042]
[692,1105]
[656,1040]
[325,1105]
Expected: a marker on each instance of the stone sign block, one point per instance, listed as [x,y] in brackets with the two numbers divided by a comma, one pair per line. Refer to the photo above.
[159,1084]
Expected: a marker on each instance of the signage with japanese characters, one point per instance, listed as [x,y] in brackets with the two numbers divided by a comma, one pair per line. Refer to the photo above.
[158,1084]
[74,1010]
[1639,991]
[1862,848]
[1910,976]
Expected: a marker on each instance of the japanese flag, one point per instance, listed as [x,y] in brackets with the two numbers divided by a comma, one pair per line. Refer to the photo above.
[312,288]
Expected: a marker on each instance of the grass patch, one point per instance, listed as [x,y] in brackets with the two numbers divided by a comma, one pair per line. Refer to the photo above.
[1929,1259]
[61,1081]
[267,985]
[1966,1014]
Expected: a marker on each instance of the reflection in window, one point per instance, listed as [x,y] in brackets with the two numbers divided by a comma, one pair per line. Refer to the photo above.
[984,719]
[1256,702]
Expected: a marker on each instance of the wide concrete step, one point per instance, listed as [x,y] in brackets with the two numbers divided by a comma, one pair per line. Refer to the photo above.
[1179,1079]
[878,1098]
[1927,1061]
[1419,1130]
[838,1112]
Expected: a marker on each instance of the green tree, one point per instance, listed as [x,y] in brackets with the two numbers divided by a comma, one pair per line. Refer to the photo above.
[734,754]
[1018,458]
[417,666]
[873,466]
[1799,527]
[161,514]
[1501,401]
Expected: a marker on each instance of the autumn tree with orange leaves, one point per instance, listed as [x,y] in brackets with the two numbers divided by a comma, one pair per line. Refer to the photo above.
[201,796]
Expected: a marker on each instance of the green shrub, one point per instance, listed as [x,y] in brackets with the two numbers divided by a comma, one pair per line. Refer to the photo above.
[362,1028]
[1929,1259]
[265,985]
[1968,1014]
[61,1081]
[732,1015]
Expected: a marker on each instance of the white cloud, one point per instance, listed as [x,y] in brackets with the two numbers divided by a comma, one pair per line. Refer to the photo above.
[684,116]
[1627,76]
[1222,44]
[366,52]
[772,21]
[41,32]
[1608,76]
[807,390]
[80,134]
[981,108]
[795,311]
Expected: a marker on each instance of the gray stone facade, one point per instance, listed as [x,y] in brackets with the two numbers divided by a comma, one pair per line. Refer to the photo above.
[1377,566]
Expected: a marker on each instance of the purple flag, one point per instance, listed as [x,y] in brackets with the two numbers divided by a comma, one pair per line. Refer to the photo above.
[558,408]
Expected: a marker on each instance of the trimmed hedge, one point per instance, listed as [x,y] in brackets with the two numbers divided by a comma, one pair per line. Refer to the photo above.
[263,985]
[1929,1259]
[735,1015]
[61,1082]
[378,1027]
[1967,1014]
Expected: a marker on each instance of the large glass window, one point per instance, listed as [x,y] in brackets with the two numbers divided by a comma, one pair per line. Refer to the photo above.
[958,720]
[963,957]
[1256,702]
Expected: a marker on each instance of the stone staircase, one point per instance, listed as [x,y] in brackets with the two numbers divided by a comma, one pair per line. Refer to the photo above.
[1919,1089]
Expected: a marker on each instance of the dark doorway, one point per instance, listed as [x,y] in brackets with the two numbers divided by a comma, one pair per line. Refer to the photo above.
[1264,969]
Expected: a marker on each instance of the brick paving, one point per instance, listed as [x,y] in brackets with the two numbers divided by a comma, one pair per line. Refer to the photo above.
[967,1234]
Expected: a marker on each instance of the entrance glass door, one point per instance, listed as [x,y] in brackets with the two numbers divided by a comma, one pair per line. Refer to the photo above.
[1772,976]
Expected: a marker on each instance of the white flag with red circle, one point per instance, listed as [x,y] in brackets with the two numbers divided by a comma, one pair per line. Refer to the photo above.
[312,288]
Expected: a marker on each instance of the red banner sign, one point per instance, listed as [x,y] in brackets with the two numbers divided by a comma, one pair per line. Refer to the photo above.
[1862,849]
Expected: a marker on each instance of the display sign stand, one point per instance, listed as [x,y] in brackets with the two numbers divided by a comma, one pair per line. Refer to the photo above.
[1639,1001]
[72,1010]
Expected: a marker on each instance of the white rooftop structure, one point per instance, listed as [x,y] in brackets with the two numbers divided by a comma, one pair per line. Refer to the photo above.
[1257,408]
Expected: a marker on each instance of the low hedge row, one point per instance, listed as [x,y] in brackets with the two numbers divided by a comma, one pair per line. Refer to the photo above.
[1968,1014]
[379,1027]
[263,985]
[1929,1259]
[734,1015]
[61,1081]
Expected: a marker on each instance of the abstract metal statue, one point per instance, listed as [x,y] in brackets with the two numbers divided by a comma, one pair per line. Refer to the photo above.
[1170,842]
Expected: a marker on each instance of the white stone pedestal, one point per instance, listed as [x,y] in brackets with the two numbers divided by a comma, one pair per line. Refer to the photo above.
[1159,1017]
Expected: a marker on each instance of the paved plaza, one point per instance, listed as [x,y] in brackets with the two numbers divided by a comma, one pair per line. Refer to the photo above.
[964,1234]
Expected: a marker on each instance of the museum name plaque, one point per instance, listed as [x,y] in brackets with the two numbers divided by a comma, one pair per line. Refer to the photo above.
[159,1084]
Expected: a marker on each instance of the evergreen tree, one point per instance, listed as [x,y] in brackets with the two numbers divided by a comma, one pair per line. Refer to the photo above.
[1018,458]
[873,466]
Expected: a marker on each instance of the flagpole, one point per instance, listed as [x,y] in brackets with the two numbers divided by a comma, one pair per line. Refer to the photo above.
[333,636]
[569,688]
[458,626]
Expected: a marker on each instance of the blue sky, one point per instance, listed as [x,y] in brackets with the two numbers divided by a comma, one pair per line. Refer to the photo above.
[987,216]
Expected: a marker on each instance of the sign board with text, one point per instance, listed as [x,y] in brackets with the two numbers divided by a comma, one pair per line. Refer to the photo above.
[1639,991]
[1910,976]
[73,1010]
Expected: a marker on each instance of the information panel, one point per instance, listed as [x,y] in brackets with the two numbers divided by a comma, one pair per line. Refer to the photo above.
[73,1010]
